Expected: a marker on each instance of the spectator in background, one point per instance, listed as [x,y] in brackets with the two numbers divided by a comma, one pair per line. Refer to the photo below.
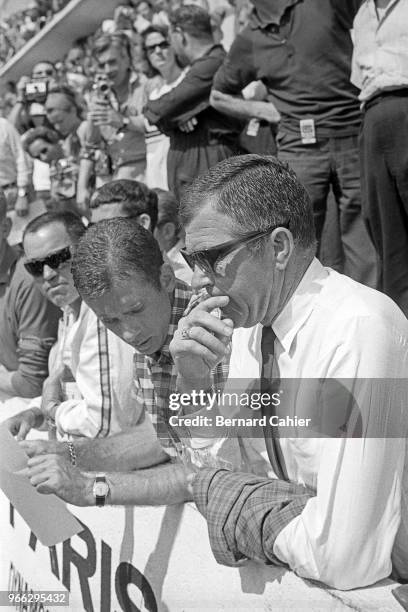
[380,70]
[64,115]
[88,392]
[166,74]
[302,53]
[125,198]
[44,146]
[43,75]
[15,169]
[170,235]
[114,122]
[28,322]
[199,135]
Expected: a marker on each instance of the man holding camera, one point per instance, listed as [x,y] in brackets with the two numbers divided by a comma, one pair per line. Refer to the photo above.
[112,116]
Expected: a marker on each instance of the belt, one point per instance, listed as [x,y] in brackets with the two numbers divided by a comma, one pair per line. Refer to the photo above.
[393,93]
[8,186]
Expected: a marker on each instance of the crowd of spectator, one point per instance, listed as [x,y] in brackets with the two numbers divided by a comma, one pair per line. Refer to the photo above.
[178,137]
[17,29]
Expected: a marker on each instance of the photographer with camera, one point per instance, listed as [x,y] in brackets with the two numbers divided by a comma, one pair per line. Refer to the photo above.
[32,91]
[114,121]
[63,113]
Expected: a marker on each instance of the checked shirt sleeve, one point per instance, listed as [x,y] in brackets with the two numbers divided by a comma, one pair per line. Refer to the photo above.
[245,513]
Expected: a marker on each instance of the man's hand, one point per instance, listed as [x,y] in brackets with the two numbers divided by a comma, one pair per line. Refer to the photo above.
[21,206]
[188,126]
[21,87]
[101,113]
[20,424]
[34,448]
[54,474]
[201,341]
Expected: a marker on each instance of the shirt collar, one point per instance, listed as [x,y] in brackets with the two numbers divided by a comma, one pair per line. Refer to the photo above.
[181,297]
[268,12]
[10,256]
[300,306]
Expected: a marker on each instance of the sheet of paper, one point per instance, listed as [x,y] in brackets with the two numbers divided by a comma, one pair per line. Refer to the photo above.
[46,515]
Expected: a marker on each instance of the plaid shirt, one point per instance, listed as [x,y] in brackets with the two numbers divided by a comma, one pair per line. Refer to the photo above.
[245,513]
[156,376]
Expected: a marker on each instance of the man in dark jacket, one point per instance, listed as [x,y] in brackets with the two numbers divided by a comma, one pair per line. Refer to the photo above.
[200,136]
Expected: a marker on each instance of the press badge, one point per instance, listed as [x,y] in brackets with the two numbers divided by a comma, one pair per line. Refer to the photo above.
[307,131]
[253,127]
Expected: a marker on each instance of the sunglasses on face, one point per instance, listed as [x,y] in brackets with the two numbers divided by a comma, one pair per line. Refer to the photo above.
[162,46]
[36,266]
[207,259]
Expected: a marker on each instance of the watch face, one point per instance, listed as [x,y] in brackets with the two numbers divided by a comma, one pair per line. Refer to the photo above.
[101,489]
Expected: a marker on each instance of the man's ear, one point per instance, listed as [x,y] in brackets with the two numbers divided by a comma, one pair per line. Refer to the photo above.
[145,221]
[167,278]
[168,230]
[283,246]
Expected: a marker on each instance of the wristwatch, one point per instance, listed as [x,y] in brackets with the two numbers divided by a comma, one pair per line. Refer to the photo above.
[22,192]
[100,490]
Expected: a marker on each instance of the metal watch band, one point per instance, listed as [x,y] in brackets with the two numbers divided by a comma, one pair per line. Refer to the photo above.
[72,453]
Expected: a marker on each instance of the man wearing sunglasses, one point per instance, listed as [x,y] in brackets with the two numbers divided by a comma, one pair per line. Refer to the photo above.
[91,376]
[119,270]
[329,506]
[28,322]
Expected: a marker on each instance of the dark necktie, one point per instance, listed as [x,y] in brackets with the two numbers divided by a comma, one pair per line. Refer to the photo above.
[271,385]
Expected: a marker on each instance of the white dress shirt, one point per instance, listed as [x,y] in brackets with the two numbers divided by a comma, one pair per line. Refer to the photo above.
[101,400]
[380,58]
[335,328]
[15,164]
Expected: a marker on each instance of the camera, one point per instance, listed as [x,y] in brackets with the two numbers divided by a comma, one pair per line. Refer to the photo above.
[101,87]
[36,91]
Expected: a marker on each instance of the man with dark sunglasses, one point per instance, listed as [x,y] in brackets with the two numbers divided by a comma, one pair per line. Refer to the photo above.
[28,322]
[91,376]
[329,500]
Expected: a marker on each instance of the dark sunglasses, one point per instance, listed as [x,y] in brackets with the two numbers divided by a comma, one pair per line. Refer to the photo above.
[36,266]
[207,259]
[162,45]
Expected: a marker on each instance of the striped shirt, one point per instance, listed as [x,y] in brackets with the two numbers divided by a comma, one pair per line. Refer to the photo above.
[156,376]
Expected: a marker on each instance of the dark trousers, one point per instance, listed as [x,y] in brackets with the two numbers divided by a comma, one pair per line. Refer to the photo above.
[332,164]
[384,164]
[188,158]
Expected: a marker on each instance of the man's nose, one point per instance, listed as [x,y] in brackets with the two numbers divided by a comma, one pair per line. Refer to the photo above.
[201,279]
[48,272]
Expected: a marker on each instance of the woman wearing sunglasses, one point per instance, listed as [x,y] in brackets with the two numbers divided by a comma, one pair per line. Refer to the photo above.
[165,73]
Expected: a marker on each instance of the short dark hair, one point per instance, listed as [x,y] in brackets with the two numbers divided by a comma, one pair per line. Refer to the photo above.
[257,192]
[135,198]
[116,39]
[42,132]
[193,20]
[113,250]
[168,208]
[148,69]
[71,221]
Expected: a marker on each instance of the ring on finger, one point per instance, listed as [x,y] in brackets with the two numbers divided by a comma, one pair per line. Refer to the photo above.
[185,333]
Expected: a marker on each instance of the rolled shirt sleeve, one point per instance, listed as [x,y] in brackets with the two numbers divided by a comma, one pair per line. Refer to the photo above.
[245,513]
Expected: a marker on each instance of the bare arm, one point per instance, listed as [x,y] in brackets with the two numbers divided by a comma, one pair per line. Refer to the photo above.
[133,449]
[163,485]
[244,109]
